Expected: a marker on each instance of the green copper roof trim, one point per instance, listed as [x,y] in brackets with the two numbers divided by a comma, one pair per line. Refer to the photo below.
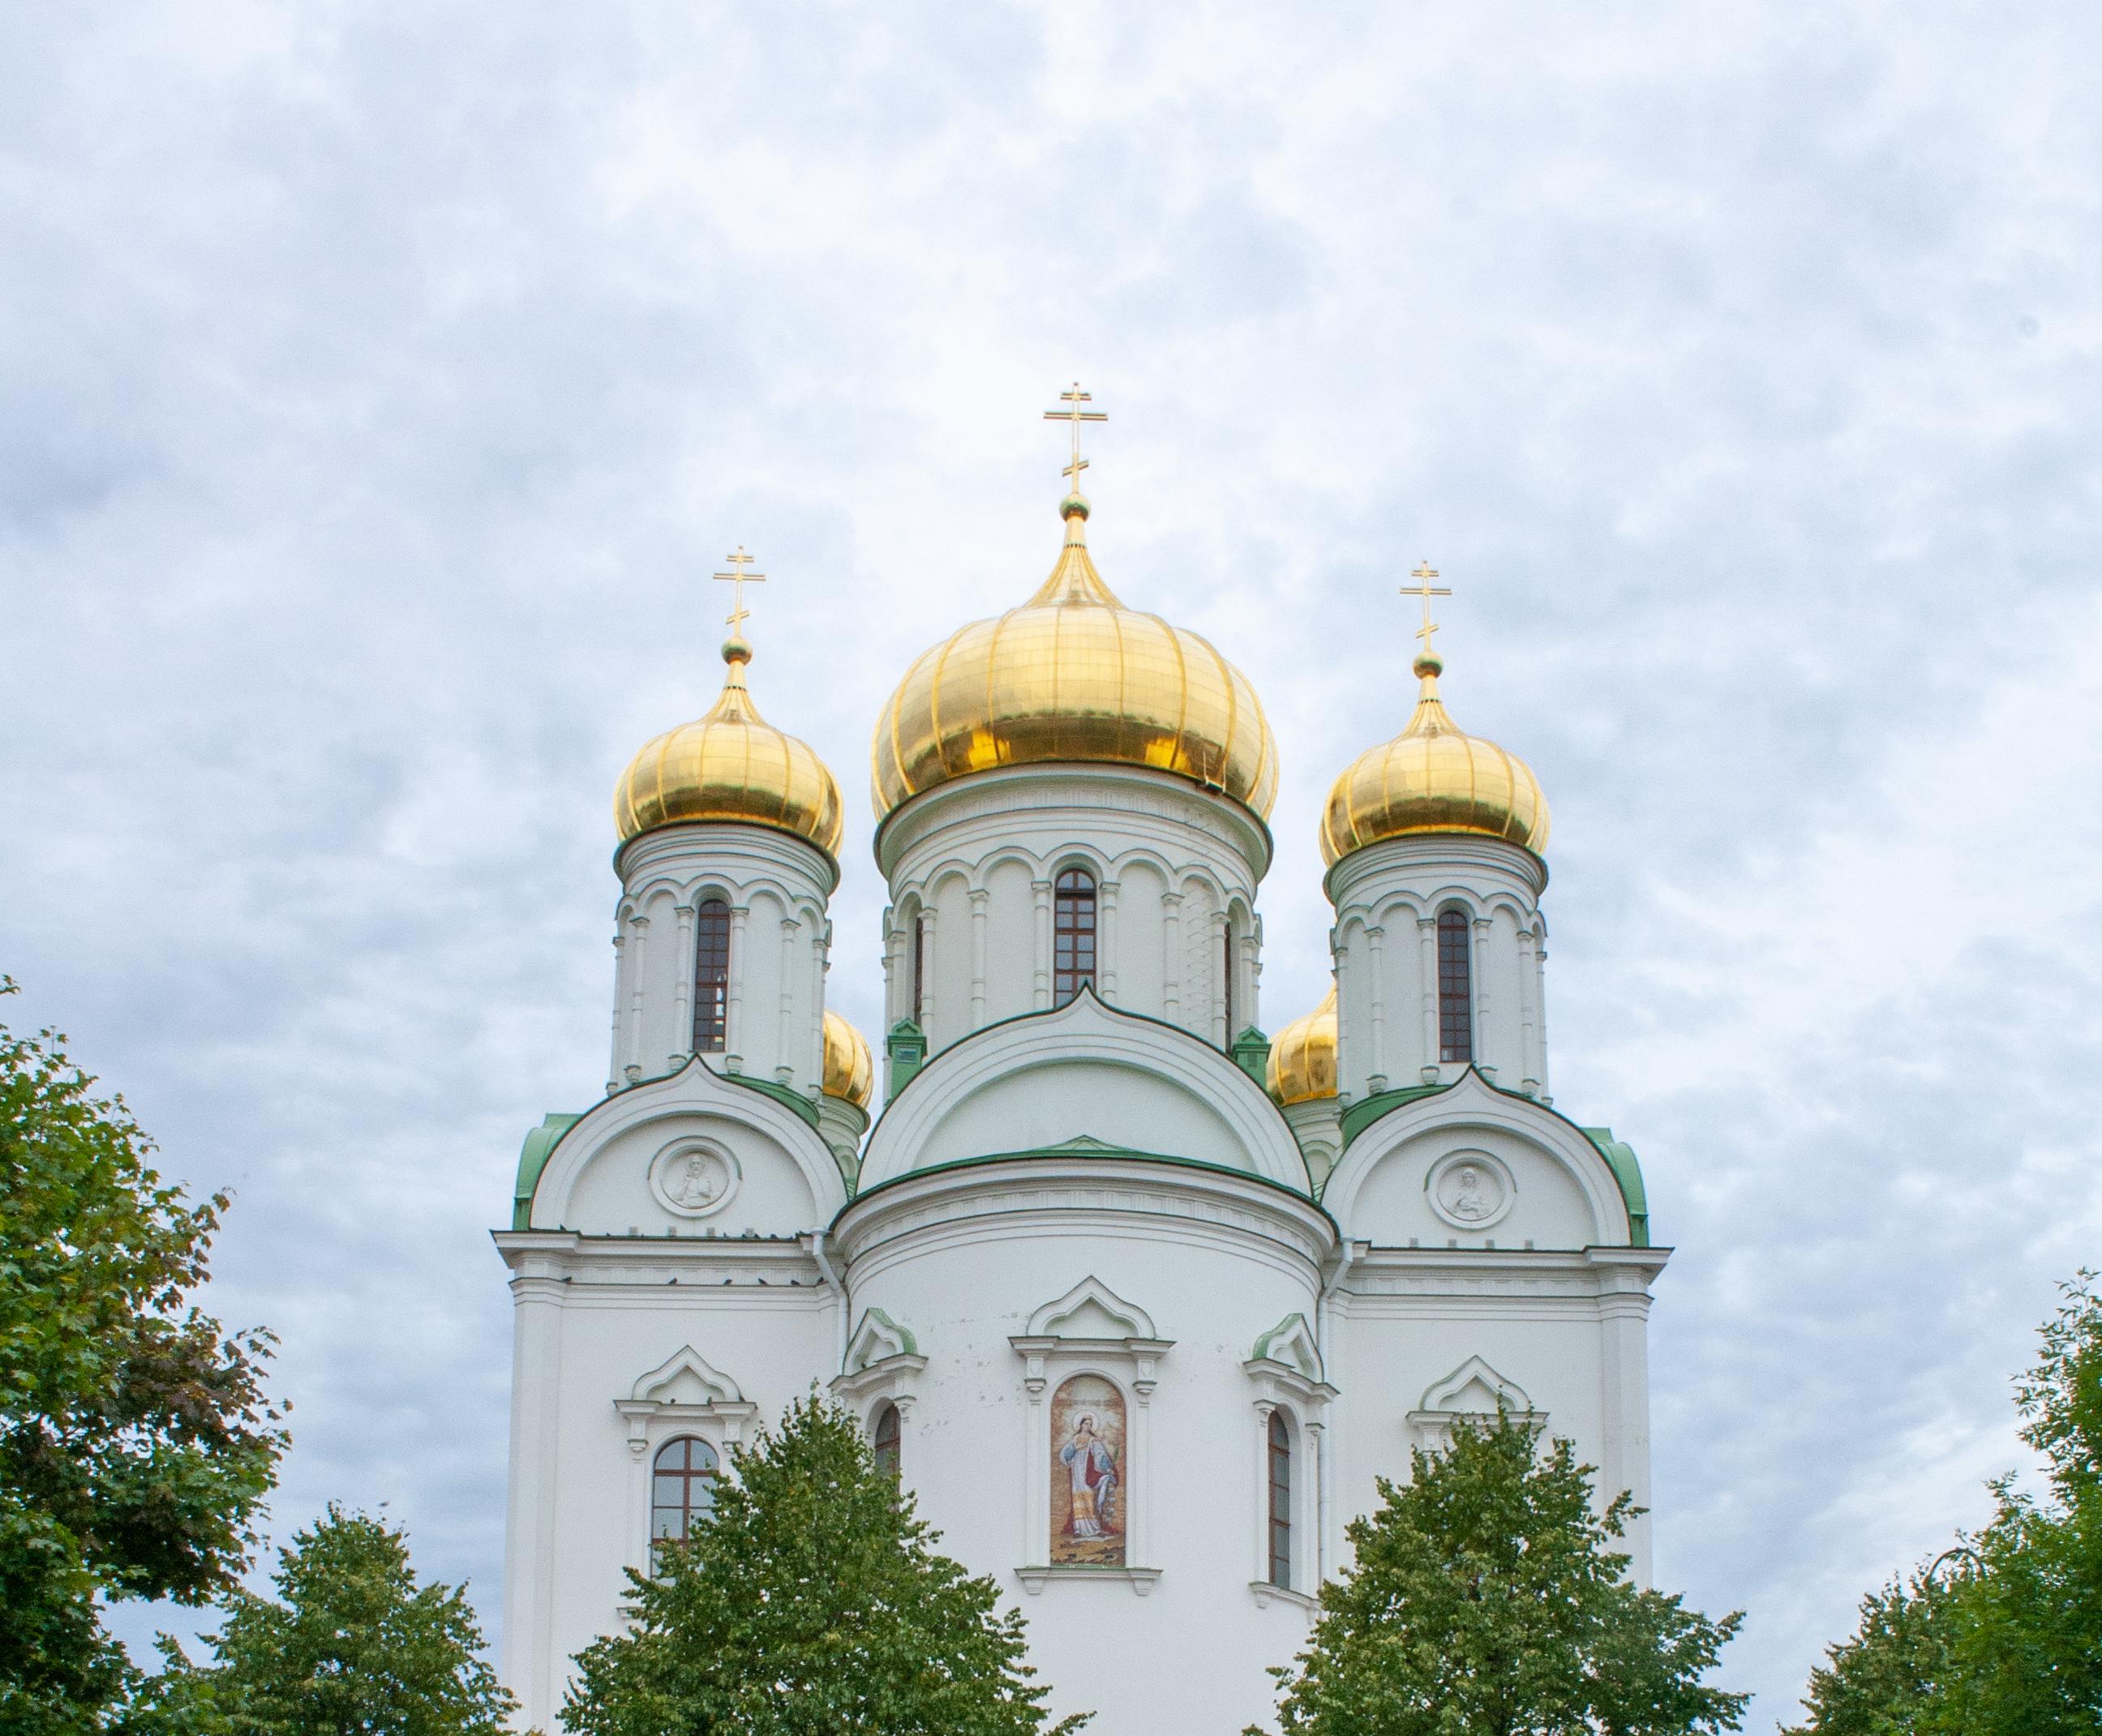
[1620,1156]
[533,1156]
[1627,1171]
[1360,1116]
[908,1342]
[1086,1145]
[780,1093]
[1251,1053]
[926,1066]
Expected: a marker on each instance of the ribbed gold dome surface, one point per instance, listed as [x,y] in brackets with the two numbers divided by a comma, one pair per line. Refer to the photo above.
[1433,777]
[1073,675]
[1303,1060]
[731,765]
[849,1069]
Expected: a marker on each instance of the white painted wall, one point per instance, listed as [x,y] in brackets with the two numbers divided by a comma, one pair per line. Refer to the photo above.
[1173,863]
[1387,898]
[777,887]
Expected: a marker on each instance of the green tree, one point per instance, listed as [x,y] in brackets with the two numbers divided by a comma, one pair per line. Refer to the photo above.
[135,1443]
[2010,1644]
[1487,1600]
[1890,1678]
[812,1604]
[352,1647]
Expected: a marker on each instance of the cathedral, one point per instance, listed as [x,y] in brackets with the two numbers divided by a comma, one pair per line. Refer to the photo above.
[1135,1300]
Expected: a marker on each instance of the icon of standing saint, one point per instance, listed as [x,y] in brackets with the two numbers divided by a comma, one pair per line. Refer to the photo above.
[1088,1487]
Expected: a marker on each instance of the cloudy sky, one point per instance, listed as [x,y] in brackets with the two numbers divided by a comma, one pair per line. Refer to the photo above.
[382,382]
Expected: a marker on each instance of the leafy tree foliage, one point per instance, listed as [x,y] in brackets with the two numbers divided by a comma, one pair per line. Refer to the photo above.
[812,1604]
[135,1443]
[2011,1643]
[1487,1600]
[352,1647]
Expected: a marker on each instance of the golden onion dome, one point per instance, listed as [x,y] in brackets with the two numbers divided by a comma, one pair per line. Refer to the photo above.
[1303,1060]
[731,765]
[850,1070]
[1074,675]
[1433,777]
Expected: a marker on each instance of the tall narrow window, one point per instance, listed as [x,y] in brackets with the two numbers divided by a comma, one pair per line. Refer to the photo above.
[1072,935]
[1455,997]
[682,1489]
[1226,978]
[712,978]
[1280,1502]
[920,972]
[885,1439]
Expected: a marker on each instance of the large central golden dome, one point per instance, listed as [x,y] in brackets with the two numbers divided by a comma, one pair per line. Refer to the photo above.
[1074,675]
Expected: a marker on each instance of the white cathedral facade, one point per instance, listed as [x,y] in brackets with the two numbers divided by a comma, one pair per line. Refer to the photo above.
[1136,1303]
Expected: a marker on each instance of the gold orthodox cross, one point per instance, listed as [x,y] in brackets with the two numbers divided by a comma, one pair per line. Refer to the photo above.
[1423,588]
[1075,415]
[737,578]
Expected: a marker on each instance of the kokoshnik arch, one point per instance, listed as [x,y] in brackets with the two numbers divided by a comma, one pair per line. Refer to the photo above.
[1137,1302]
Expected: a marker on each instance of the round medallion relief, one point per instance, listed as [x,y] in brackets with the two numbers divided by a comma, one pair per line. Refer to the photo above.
[1471,1190]
[693,1179]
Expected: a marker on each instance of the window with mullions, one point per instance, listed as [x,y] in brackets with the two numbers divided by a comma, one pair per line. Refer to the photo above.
[711,978]
[1456,989]
[920,972]
[682,1490]
[1072,935]
[885,1438]
[1280,1502]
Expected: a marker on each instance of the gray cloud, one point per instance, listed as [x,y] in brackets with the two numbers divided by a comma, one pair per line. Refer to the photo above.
[381,382]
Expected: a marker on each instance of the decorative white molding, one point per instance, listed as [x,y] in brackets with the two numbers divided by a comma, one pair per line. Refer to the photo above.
[883,1363]
[1290,1342]
[1091,1304]
[1140,1580]
[1476,1392]
[1090,1330]
[683,1395]
[1267,1594]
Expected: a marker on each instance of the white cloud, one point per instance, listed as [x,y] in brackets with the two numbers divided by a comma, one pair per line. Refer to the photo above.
[382,381]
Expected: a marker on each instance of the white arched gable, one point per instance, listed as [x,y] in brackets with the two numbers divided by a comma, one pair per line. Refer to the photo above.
[597,1179]
[686,1378]
[1083,1071]
[1542,1180]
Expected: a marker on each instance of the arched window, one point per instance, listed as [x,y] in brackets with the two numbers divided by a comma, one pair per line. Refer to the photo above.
[1456,989]
[1226,977]
[1072,935]
[920,972]
[1280,1502]
[711,978]
[682,1489]
[884,1438]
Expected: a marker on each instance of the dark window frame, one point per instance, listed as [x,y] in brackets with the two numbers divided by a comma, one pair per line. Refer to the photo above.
[1278,1484]
[1075,912]
[920,972]
[693,1477]
[1456,986]
[711,963]
[887,1439]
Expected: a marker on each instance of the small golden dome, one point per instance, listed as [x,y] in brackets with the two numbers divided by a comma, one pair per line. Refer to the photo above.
[1303,1060]
[849,1069]
[731,765]
[1433,777]
[1073,675]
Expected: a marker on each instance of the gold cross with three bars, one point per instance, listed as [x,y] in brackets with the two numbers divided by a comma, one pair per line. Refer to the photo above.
[1075,415]
[737,578]
[1423,574]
